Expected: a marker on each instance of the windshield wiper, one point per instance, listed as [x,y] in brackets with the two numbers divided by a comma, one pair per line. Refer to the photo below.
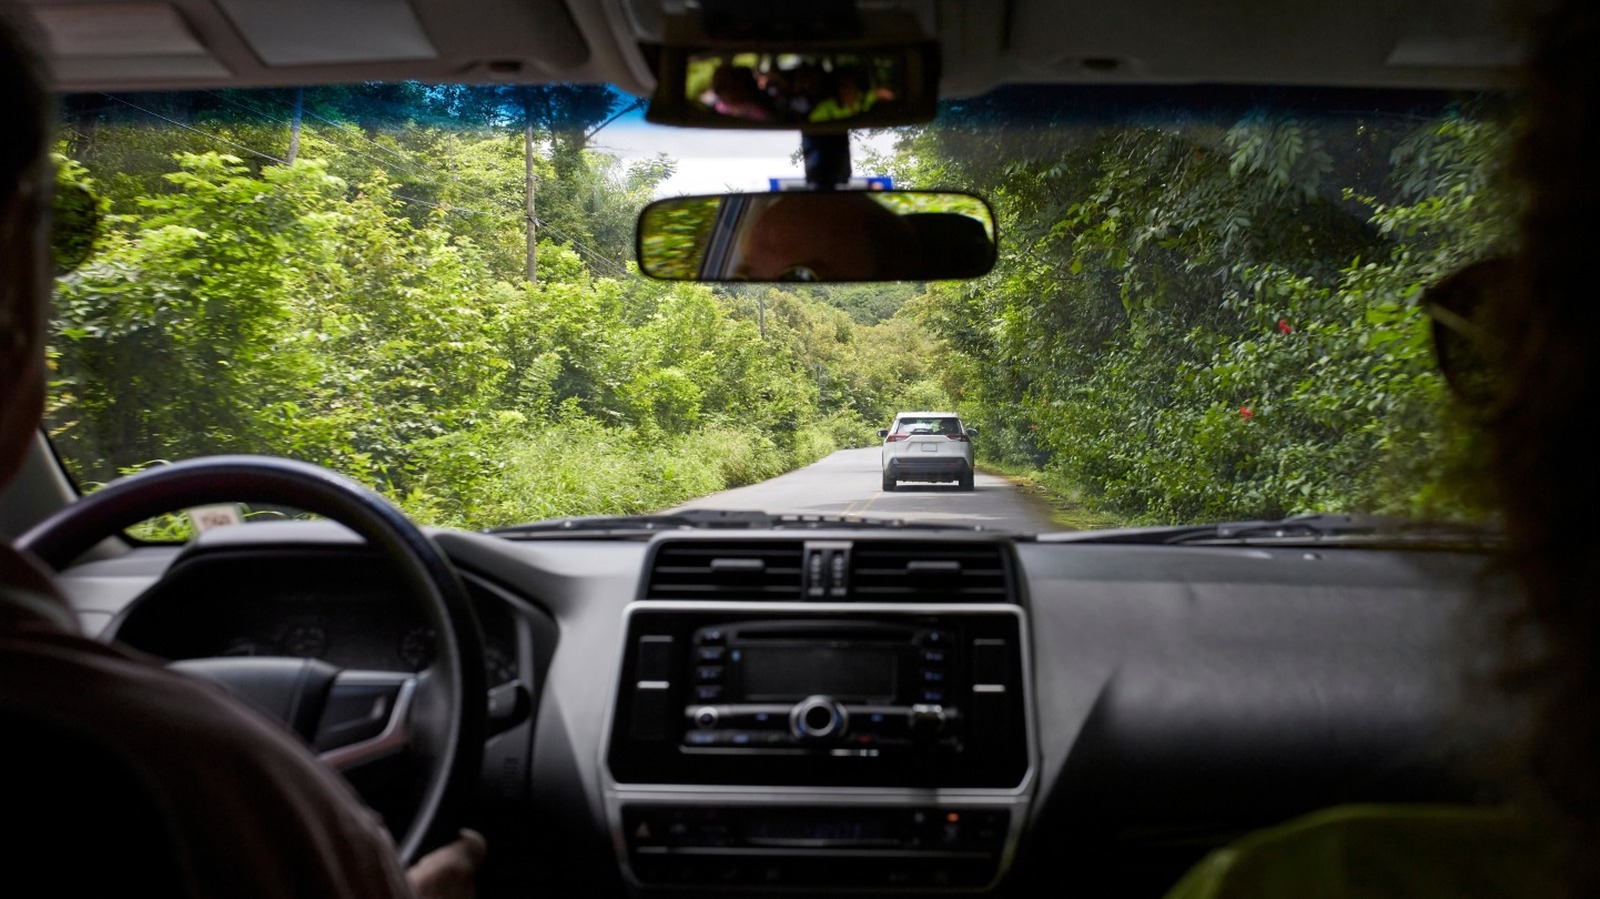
[639,526]
[1301,530]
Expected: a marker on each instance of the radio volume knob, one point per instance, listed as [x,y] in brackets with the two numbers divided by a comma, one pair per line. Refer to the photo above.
[818,718]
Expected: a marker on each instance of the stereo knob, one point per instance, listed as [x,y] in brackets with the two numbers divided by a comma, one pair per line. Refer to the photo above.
[818,718]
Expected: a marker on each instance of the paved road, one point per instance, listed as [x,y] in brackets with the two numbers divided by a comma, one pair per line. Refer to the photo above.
[849,481]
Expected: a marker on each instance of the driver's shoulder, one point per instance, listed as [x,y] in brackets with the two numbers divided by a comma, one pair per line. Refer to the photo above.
[165,716]
[242,796]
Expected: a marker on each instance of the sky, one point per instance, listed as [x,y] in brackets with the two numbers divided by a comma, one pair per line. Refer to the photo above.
[712,160]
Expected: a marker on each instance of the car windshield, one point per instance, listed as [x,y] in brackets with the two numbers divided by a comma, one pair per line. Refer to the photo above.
[1207,305]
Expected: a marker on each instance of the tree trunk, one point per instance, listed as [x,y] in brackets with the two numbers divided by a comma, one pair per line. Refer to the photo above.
[527,158]
[294,125]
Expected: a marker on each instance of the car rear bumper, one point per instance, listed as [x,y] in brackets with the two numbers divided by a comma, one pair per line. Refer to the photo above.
[927,469]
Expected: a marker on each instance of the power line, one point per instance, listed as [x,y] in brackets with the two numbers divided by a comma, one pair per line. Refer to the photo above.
[444,207]
[216,137]
[415,172]
[594,256]
[220,139]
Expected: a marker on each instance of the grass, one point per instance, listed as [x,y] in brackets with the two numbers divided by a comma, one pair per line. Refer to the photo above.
[1067,510]
[581,467]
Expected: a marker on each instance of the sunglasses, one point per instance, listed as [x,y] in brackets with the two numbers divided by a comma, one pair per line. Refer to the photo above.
[1462,344]
[75,223]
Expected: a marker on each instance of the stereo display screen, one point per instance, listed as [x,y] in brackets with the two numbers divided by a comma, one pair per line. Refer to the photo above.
[785,673]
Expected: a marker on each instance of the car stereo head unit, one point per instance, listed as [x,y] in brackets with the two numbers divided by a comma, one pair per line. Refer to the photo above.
[847,686]
[805,698]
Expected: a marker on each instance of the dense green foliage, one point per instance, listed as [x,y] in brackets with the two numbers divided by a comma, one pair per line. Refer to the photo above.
[365,308]
[1191,320]
[1195,322]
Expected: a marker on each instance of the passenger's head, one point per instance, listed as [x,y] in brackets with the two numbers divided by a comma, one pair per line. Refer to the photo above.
[734,84]
[25,183]
[840,236]
[1547,324]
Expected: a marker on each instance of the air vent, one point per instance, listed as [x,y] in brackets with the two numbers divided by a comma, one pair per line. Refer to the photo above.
[931,571]
[751,569]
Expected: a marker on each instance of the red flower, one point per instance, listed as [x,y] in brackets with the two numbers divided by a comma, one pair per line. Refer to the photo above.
[1244,412]
[1283,325]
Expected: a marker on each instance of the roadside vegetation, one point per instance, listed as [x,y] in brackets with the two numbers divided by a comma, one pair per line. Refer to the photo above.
[1063,501]
[1188,323]
[368,307]
[1198,323]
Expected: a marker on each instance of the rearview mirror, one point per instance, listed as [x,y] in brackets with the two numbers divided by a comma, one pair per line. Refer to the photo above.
[869,87]
[818,236]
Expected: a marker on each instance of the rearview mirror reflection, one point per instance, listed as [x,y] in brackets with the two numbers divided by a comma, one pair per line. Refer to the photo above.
[866,87]
[818,236]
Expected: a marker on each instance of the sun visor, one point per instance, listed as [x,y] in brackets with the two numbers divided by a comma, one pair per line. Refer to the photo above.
[123,41]
[316,32]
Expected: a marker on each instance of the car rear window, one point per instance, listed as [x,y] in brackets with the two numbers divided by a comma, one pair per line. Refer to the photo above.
[928,426]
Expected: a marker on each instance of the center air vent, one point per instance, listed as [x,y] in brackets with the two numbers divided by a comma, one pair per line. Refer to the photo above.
[931,571]
[731,570]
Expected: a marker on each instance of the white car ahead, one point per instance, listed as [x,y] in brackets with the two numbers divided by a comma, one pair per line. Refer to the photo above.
[927,446]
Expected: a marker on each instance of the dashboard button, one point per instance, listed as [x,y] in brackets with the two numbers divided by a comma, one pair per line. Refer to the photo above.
[990,659]
[652,714]
[654,657]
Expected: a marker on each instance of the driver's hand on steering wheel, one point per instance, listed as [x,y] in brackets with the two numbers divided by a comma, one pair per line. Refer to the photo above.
[447,872]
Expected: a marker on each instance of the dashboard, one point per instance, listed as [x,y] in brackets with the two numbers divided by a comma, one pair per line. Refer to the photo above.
[860,711]
[341,606]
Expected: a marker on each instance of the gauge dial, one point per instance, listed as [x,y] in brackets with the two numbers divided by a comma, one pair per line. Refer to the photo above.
[306,640]
[248,646]
[417,648]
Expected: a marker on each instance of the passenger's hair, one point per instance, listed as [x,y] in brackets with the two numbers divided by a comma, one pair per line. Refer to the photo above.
[24,107]
[24,103]
[1546,474]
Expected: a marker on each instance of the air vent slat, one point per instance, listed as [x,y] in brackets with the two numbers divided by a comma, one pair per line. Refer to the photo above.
[929,571]
[726,570]
[921,571]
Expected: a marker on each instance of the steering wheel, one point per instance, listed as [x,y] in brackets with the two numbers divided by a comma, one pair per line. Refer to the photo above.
[348,717]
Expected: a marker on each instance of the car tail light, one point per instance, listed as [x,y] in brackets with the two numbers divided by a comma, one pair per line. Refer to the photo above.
[893,437]
[960,437]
